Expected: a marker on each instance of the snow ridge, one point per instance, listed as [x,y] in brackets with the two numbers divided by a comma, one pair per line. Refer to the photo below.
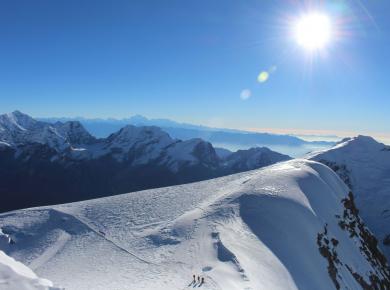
[292,225]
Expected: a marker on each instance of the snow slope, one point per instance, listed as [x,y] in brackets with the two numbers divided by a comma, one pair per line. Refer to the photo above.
[16,276]
[364,164]
[288,226]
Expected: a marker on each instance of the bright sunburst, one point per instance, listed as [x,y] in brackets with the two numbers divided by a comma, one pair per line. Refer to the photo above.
[313,31]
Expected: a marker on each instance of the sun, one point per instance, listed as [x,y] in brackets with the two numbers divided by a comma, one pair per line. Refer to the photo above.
[313,31]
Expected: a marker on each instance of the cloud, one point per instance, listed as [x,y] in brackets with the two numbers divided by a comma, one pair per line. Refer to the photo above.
[245,94]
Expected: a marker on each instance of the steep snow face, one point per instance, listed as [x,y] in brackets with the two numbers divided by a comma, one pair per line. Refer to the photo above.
[16,276]
[287,226]
[364,164]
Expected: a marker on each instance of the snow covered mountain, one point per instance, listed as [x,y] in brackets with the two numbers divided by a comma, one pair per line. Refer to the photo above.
[220,137]
[16,276]
[292,225]
[18,129]
[45,163]
[244,160]
[364,164]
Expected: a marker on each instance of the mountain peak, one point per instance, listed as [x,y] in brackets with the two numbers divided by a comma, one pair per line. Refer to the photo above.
[131,132]
[18,128]
[138,120]
[361,141]
[74,132]
[17,112]
[17,121]
[363,138]
[20,116]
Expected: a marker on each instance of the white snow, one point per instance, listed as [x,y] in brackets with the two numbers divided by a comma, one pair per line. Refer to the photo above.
[254,230]
[16,276]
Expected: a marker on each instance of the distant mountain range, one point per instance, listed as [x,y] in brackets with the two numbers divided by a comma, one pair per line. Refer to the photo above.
[219,137]
[48,163]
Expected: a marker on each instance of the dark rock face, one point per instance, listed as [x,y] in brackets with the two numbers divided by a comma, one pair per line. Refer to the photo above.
[351,222]
[328,251]
[364,165]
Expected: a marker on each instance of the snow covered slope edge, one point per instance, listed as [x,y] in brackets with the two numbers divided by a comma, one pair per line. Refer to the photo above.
[292,225]
[16,276]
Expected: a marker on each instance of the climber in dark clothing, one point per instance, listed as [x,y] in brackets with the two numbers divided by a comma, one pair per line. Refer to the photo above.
[193,276]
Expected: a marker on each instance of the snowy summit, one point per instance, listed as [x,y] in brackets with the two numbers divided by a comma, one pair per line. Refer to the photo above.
[364,165]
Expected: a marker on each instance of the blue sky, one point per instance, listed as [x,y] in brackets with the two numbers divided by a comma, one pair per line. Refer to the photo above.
[190,61]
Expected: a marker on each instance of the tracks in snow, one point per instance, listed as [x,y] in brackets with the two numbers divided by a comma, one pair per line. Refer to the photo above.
[50,252]
[99,233]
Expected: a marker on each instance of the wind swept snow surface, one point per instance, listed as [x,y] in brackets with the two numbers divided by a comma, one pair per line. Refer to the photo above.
[273,228]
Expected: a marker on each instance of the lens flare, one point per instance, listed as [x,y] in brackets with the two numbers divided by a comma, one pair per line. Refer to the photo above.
[263,77]
[245,94]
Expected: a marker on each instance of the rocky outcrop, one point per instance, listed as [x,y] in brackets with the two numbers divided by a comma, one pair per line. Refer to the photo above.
[351,222]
